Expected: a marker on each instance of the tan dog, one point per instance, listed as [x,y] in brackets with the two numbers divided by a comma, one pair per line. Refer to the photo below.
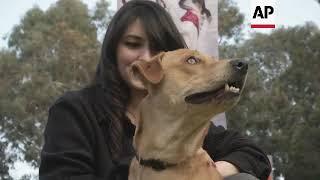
[185,89]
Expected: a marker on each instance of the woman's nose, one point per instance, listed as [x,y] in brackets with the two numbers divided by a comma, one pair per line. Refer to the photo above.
[146,54]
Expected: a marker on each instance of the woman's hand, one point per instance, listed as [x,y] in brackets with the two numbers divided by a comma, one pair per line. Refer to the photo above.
[226,169]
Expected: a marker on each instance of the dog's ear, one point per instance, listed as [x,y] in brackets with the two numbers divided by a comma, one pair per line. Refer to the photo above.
[143,71]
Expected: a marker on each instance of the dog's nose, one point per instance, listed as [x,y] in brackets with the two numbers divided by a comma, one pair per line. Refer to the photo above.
[239,65]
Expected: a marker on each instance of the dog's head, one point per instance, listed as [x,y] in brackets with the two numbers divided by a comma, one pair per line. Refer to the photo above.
[185,90]
[187,79]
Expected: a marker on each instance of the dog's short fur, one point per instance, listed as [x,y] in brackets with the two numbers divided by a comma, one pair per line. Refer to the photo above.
[185,90]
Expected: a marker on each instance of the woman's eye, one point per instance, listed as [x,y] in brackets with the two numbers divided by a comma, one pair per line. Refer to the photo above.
[132,44]
[192,60]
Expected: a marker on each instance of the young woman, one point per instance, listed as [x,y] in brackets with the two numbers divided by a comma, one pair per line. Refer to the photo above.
[89,132]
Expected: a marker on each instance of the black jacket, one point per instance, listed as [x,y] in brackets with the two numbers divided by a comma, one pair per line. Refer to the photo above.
[75,147]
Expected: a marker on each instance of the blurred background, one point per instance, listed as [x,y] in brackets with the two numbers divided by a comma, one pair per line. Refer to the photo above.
[48,47]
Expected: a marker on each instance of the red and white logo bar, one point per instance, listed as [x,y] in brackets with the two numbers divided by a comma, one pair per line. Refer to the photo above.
[263,26]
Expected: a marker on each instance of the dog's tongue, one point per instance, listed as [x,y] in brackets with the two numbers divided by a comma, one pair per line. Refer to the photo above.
[220,94]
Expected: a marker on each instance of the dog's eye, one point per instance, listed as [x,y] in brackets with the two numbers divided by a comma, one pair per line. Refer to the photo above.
[192,60]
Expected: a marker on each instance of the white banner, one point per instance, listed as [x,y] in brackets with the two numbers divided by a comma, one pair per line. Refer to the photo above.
[197,21]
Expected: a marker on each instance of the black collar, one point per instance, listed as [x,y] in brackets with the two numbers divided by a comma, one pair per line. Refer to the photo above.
[155,164]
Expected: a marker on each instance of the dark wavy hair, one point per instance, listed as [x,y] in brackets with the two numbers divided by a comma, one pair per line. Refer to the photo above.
[162,34]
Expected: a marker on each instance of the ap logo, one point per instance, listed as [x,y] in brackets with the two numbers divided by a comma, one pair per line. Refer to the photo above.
[263,13]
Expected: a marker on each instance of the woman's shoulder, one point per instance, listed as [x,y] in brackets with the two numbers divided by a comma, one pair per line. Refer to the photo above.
[81,97]
[79,108]
[86,101]
[73,127]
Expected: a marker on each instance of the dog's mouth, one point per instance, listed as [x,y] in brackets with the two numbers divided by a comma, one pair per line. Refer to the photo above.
[225,92]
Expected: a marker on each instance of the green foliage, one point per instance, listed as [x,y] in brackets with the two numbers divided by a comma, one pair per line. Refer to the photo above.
[102,15]
[280,105]
[50,52]
[230,20]
[4,160]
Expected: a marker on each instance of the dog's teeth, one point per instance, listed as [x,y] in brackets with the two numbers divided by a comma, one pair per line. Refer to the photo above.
[226,87]
[231,88]
[234,89]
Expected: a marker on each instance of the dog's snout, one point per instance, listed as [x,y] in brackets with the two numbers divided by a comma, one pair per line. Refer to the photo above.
[239,65]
